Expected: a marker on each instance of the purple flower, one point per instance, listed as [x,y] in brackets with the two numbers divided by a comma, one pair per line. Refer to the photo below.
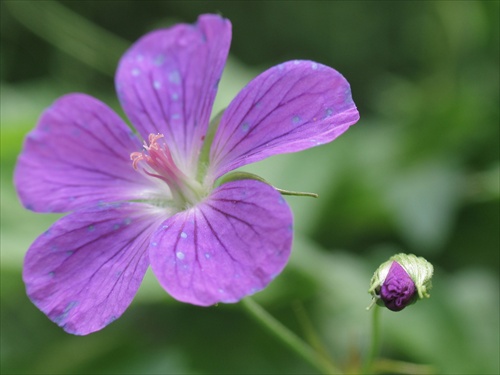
[164,204]
[398,289]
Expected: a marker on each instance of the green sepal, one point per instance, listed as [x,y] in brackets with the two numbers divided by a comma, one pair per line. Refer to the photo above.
[204,157]
[236,176]
[420,271]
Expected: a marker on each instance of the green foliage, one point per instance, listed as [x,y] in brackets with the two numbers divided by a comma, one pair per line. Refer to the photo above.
[418,174]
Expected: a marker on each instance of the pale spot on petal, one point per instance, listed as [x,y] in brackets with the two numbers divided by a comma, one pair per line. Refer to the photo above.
[245,126]
[159,60]
[174,77]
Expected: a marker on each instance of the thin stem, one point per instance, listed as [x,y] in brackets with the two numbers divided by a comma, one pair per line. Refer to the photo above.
[310,332]
[375,340]
[297,193]
[400,367]
[233,176]
[288,337]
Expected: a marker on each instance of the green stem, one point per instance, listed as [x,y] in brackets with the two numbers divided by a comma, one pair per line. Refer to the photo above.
[310,333]
[399,367]
[296,193]
[234,176]
[288,337]
[375,341]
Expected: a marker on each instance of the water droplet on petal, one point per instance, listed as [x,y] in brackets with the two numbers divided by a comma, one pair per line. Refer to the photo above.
[245,126]
[328,112]
[174,77]
[159,60]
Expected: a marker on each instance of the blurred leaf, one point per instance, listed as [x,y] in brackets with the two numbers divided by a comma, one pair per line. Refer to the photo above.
[70,32]
[423,200]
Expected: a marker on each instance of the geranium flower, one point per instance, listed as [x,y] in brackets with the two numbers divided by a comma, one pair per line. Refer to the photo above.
[208,239]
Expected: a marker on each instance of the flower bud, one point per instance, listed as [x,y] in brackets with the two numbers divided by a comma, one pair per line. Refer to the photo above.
[401,281]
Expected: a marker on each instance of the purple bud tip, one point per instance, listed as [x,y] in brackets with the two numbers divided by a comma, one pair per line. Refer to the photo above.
[398,289]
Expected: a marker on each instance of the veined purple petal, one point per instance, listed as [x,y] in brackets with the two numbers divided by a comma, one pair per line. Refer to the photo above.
[78,155]
[288,108]
[227,247]
[167,82]
[85,270]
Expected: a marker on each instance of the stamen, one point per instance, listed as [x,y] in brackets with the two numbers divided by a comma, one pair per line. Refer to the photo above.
[160,164]
[136,157]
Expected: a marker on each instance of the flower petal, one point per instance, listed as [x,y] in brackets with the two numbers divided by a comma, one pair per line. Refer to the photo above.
[288,108]
[167,82]
[229,246]
[85,270]
[78,154]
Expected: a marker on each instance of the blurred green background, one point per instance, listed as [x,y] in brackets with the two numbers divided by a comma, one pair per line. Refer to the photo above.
[419,173]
